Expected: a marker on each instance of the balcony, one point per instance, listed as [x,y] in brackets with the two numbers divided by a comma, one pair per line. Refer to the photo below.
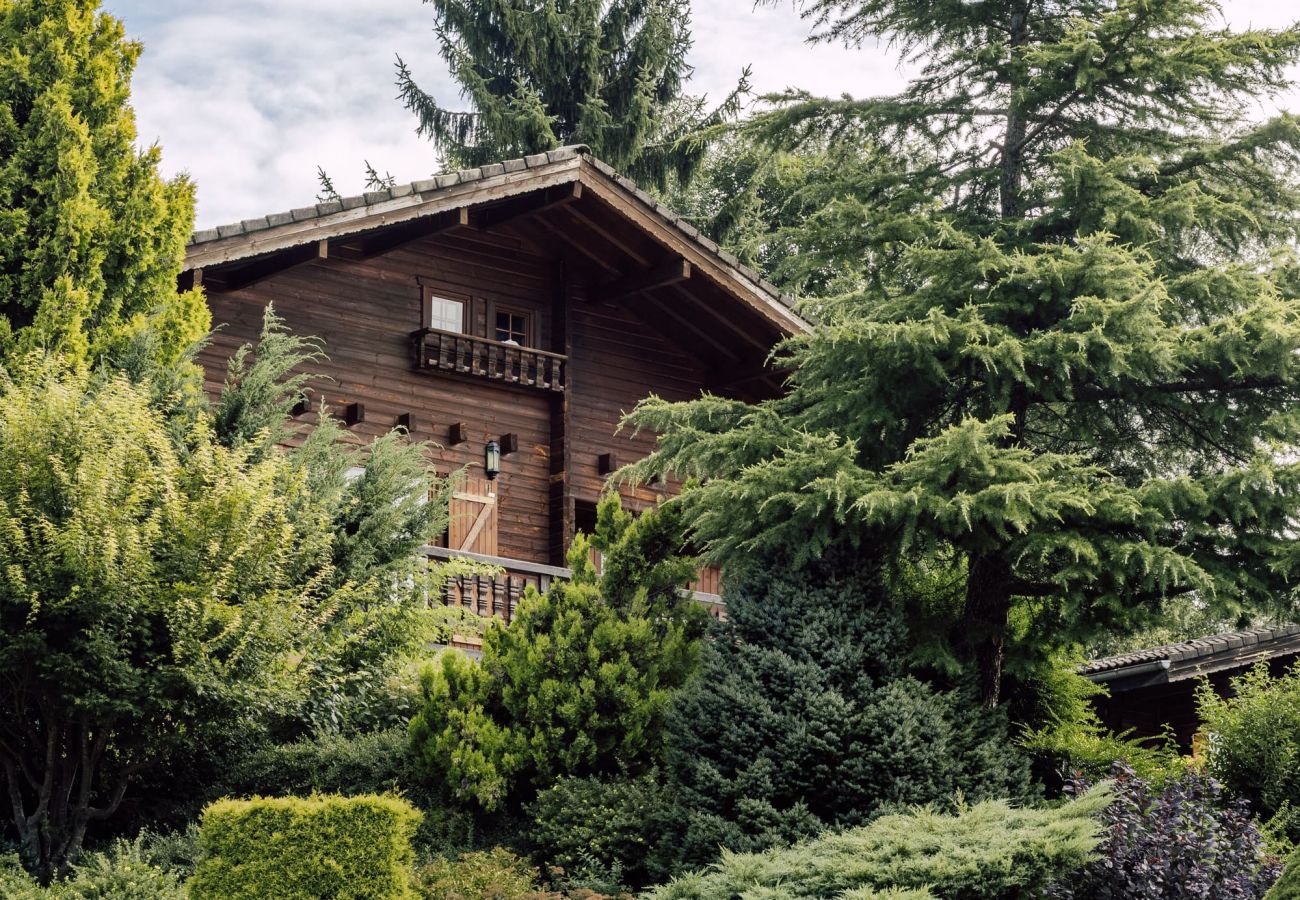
[466,354]
[499,595]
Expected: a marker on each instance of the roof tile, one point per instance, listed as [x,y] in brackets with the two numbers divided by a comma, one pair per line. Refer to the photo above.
[438,182]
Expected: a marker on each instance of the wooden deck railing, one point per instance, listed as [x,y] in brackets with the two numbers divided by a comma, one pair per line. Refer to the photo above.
[450,351]
[499,595]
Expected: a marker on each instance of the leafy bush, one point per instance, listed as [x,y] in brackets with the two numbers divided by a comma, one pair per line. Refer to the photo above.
[373,763]
[1183,843]
[606,831]
[1074,742]
[989,851]
[292,848]
[577,684]
[806,716]
[125,871]
[1255,746]
[495,874]
[1288,886]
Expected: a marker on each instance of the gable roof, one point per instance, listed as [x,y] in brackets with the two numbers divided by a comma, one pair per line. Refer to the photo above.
[573,165]
[1200,656]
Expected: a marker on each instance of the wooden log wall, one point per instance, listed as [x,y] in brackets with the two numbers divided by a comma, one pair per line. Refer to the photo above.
[365,311]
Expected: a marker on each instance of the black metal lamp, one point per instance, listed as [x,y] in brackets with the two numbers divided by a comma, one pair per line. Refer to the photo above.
[492,460]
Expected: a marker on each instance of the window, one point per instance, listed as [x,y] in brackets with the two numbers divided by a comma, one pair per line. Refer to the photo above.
[512,326]
[446,315]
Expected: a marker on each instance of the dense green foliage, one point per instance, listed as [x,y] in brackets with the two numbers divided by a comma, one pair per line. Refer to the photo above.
[613,829]
[125,871]
[495,874]
[1063,343]
[605,73]
[989,850]
[1073,742]
[806,715]
[354,848]
[148,597]
[1288,886]
[575,685]
[91,237]
[1255,742]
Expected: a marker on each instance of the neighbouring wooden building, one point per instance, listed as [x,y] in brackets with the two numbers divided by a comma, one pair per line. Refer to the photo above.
[532,303]
[1154,690]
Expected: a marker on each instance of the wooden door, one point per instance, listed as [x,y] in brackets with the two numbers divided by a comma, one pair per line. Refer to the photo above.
[473,523]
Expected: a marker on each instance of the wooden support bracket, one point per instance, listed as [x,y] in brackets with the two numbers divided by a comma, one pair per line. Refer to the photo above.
[354,414]
[674,271]
[509,443]
[607,463]
[458,433]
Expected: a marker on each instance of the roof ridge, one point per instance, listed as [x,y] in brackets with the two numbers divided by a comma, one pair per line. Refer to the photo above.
[450,179]
[370,198]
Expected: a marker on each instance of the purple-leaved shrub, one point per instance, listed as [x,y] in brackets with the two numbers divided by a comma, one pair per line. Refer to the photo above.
[1184,842]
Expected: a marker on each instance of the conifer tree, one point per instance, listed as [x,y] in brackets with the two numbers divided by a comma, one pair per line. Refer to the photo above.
[91,236]
[806,716]
[1069,352]
[606,73]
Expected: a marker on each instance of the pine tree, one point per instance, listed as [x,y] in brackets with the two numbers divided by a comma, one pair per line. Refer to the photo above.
[1069,352]
[806,716]
[606,73]
[91,236]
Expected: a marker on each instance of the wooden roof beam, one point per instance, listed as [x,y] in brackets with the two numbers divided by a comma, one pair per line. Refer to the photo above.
[685,322]
[674,271]
[488,217]
[367,245]
[232,278]
[575,212]
[727,323]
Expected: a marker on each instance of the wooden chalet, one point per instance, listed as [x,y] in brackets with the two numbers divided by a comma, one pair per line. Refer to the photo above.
[529,303]
[1153,691]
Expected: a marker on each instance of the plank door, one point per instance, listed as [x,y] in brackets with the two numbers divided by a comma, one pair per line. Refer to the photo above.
[473,522]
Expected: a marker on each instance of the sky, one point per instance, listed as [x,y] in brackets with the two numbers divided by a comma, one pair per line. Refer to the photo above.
[249,97]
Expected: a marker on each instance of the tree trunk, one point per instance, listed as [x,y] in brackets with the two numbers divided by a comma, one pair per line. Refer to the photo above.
[50,795]
[1013,138]
[984,622]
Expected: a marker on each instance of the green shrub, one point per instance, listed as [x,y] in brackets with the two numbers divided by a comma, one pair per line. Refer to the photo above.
[577,684]
[125,871]
[990,851]
[495,874]
[292,848]
[589,827]
[1255,750]
[807,715]
[1073,741]
[1288,886]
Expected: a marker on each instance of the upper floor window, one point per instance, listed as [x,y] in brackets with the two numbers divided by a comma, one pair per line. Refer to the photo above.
[512,326]
[446,315]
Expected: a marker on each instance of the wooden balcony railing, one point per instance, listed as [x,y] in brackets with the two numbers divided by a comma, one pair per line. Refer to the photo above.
[450,351]
[499,595]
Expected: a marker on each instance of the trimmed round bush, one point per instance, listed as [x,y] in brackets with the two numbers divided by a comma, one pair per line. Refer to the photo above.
[294,848]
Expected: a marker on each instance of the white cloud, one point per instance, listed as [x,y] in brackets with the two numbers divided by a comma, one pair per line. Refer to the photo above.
[250,96]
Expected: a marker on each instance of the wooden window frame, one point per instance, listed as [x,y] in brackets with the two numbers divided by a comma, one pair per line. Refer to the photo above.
[429,290]
[530,321]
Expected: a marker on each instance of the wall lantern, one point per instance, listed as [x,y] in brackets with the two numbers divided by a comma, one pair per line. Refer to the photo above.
[492,460]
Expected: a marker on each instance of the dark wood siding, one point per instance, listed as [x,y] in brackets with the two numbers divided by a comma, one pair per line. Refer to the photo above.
[365,310]
[616,361]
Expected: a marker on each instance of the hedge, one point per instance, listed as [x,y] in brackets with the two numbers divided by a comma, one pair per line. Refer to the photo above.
[293,848]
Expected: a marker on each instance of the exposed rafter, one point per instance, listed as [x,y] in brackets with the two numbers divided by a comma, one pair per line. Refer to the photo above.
[674,271]
[367,245]
[488,217]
